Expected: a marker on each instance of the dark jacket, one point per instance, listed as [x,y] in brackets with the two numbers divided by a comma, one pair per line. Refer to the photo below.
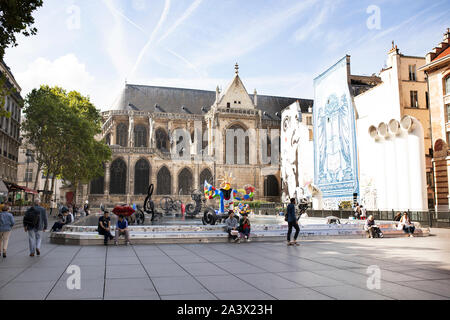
[42,218]
[291,213]
[241,224]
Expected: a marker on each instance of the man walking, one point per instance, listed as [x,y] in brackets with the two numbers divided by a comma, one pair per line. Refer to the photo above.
[35,221]
[292,222]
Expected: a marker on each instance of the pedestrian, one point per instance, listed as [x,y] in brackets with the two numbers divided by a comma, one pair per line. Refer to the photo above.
[6,224]
[357,211]
[292,222]
[104,227]
[122,228]
[86,208]
[406,225]
[398,216]
[372,229]
[363,212]
[35,221]
[65,219]
[232,226]
[244,226]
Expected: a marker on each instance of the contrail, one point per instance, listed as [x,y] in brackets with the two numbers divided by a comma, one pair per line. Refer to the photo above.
[152,36]
[192,66]
[112,8]
[188,12]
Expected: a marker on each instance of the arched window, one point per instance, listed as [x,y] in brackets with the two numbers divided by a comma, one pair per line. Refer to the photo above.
[118,177]
[164,182]
[271,188]
[162,141]
[140,136]
[98,185]
[185,182]
[207,176]
[122,135]
[141,176]
[241,144]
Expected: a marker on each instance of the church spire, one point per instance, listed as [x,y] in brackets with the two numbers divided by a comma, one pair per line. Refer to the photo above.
[236,68]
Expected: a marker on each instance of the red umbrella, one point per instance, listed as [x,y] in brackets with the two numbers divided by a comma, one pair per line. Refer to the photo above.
[123,210]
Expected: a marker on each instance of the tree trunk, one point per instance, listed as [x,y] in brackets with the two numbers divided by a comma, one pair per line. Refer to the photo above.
[37,176]
[75,193]
[53,186]
[45,189]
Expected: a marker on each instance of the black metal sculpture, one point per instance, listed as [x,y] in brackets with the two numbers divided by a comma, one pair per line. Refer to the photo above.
[149,205]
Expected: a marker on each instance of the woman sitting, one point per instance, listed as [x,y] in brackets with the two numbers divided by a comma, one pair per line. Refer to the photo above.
[406,225]
[244,227]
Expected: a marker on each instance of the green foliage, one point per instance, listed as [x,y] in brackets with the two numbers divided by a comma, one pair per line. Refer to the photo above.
[345,205]
[15,17]
[62,127]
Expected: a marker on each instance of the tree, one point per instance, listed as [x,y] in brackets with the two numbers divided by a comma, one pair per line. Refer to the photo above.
[62,127]
[15,17]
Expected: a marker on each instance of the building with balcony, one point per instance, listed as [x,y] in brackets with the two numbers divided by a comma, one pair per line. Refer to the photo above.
[437,70]
[9,127]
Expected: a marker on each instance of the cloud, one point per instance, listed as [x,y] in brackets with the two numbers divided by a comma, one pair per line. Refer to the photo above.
[250,35]
[66,71]
[313,24]
[152,36]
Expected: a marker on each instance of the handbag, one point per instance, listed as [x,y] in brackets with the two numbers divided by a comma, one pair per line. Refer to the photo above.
[234,232]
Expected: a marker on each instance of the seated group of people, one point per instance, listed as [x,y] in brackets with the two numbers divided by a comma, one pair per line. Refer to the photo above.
[104,228]
[404,223]
[236,229]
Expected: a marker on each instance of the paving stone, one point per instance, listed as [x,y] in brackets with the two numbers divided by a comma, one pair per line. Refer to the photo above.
[165,270]
[429,274]
[26,290]
[297,294]
[267,281]
[89,289]
[125,271]
[40,274]
[177,285]
[224,283]
[121,288]
[190,296]
[181,259]
[89,261]
[203,269]
[239,267]
[244,295]
[309,279]
[401,292]
[122,260]
[87,272]
[347,292]
[439,287]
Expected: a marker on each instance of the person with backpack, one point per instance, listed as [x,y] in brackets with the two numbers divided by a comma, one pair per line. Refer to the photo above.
[292,223]
[35,221]
[6,224]
[86,208]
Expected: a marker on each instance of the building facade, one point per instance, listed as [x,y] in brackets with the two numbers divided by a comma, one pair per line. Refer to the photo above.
[403,91]
[437,69]
[177,138]
[9,128]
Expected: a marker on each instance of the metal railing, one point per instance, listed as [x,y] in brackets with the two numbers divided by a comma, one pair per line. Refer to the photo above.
[440,219]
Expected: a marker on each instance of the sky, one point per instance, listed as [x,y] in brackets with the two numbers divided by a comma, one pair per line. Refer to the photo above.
[96,46]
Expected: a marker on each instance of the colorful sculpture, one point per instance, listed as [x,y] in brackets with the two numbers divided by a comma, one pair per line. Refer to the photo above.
[227,194]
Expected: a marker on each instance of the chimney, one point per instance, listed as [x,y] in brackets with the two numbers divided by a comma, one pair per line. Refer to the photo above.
[217,94]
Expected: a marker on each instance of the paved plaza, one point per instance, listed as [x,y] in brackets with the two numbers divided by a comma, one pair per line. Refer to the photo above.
[411,268]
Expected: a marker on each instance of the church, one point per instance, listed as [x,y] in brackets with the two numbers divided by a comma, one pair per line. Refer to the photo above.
[176,138]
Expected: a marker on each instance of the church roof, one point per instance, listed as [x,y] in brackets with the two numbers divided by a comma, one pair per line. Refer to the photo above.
[172,100]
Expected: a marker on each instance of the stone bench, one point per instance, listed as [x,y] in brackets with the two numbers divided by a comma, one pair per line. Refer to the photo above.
[88,235]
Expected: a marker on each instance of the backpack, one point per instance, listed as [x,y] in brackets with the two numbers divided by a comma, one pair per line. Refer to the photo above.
[32,218]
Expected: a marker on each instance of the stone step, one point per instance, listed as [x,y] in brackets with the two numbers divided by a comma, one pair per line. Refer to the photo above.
[93,238]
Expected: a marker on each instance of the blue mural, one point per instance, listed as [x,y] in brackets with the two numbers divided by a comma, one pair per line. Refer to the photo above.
[335,161]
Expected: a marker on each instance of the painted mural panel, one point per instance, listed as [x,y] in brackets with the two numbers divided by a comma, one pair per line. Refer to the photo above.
[296,154]
[335,160]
